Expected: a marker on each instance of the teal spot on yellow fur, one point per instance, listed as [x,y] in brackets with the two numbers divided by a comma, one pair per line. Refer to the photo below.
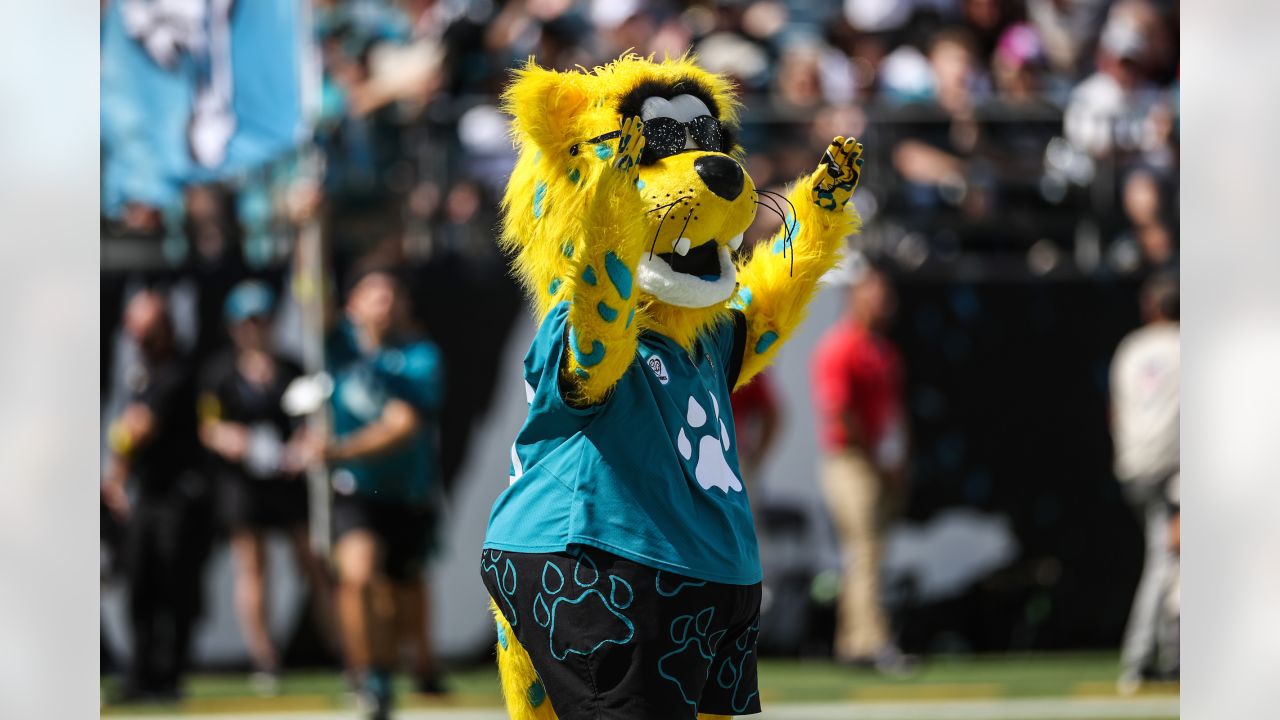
[539,194]
[793,226]
[537,694]
[826,200]
[631,316]
[589,275]
[575,176]
[603,151]
[639,184]
[568,248]
[581,373]
[766,341]
[585,358]
[606,312]
[502,635]
[619,274]
[537,155]
[555,285]
[743,299]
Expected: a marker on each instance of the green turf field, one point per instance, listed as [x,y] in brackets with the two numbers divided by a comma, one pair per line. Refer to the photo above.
[1078,679]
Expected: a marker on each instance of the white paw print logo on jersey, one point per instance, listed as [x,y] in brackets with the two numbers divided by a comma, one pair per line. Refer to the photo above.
[712,467]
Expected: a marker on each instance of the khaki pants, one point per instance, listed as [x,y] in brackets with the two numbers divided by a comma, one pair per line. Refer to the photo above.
[859,505]
[1142,649]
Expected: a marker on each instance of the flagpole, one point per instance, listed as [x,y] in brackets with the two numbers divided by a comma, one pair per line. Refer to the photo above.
[311,290]
[312,266]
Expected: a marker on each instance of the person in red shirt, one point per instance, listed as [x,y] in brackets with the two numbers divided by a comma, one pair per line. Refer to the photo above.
[857,385]
[757,419]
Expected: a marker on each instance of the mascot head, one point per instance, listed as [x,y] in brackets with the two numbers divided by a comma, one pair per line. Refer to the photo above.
[698,200]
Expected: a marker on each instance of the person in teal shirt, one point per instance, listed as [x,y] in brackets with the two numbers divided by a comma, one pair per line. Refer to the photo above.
[388,388]
[400,370]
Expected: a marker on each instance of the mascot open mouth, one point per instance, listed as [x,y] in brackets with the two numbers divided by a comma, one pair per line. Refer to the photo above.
[701,277]
[702,262]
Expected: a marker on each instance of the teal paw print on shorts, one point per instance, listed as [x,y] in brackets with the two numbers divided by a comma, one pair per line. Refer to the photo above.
[706,443]
[732,671]
[582,613]
[690,634]
[504,572]
[671,588]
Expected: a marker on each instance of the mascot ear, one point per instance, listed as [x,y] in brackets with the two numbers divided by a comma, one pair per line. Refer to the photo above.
[546,106]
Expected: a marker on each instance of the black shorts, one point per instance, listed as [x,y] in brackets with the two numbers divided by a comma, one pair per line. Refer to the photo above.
[403,532]
[611,638]
[249,504]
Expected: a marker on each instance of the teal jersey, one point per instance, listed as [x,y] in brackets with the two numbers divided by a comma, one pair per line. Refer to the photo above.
[410,370]
[649,474]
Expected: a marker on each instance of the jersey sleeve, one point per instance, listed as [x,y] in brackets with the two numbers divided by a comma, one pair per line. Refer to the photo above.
[415,374]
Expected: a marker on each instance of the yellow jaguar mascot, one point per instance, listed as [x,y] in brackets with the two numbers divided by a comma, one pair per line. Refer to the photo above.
[621,561]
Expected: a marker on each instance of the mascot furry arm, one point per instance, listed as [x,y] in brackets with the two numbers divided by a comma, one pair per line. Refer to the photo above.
[773,292]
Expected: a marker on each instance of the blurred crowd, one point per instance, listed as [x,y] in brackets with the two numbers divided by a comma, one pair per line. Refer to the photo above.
[993,125]
[1007,139]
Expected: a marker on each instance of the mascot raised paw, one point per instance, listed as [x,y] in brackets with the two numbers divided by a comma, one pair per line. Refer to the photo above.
[621,560]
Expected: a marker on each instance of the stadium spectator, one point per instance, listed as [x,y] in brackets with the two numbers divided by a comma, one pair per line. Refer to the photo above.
[942,159]
[1018,67]
[1108,112]
[1069,30]
[857,389]
[1145,413]
[212,227]
[1149,228]
[986,21]
[388,389]
[361,134]
[150,485]
[251,439]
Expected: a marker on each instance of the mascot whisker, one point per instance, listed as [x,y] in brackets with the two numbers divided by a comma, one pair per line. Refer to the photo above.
[621,561]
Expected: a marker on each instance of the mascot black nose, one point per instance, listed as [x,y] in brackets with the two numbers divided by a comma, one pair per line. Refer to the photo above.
[721,175]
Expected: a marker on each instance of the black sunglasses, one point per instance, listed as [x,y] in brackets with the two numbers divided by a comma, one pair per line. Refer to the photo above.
[664,137]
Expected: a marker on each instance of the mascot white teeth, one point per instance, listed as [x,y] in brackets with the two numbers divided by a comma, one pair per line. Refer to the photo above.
[621,561]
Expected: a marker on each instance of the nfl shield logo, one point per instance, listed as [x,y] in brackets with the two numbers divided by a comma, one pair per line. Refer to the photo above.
[655,364]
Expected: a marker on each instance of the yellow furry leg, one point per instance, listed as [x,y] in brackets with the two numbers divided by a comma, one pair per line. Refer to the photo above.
[704,716]
[526,697]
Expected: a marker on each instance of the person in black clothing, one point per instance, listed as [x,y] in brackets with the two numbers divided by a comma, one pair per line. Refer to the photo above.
[150,485]
[253,444]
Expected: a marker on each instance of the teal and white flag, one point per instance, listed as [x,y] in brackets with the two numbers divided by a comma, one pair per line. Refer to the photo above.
[199,90]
